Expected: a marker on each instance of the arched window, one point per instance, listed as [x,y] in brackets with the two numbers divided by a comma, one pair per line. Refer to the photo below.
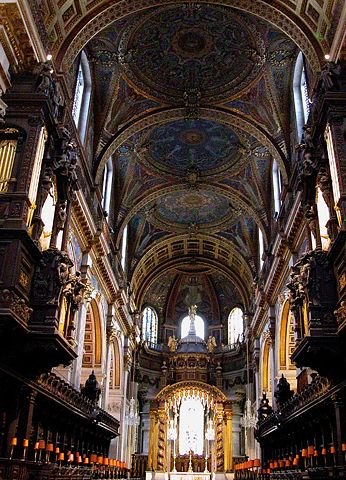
[323,218]
[199,325]
[81,101]
[107,186]
[276,187]
[235,325]
[261,247]
[124,248]
[149,325]
[300,94]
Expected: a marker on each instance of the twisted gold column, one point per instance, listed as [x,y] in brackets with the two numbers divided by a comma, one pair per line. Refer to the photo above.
[219,439]
[162,444]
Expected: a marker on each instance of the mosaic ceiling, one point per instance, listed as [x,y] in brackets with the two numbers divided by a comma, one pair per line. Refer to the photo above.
[192,47]
[204,145]
[179,172]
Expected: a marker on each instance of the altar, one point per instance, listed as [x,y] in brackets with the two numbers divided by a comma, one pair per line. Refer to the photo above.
[189,476]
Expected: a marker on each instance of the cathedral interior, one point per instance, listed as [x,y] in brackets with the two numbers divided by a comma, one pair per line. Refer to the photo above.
[172,239]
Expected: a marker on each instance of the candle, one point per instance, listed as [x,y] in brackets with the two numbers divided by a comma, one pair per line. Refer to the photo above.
[13,442]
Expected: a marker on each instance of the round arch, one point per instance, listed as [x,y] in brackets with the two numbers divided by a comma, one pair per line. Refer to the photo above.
[227,117]
[115,365]
[267,368]
[279,15]
[93,347]
[141,283]
[194,387]
[284,340]
[233,195]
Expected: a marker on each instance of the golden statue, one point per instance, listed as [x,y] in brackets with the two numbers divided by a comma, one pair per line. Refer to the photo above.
[172,343]
[211,344]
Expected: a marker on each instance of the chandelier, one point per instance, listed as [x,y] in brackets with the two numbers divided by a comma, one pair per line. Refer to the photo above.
[249,419]
[132,419]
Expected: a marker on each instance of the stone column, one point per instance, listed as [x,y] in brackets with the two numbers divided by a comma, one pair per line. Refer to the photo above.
[110,334]
[124,427]
[236,428]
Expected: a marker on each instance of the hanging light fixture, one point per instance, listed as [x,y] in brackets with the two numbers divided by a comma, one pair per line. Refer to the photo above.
[249,418]
[132,419]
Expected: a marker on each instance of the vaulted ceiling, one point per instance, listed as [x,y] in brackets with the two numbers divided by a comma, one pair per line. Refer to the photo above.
[194,103]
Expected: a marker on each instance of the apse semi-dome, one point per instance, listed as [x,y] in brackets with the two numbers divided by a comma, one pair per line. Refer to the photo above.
[208,49]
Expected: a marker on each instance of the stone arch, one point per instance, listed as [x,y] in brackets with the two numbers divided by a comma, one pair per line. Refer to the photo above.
[233,195]
[115,365]
[286,345]
[267,368]
[217,254]
[274,12]
[93,345]
[228,117]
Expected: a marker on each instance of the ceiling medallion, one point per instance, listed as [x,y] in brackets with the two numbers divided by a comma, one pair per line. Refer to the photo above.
[193,211]
[212,50]
[181,147]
